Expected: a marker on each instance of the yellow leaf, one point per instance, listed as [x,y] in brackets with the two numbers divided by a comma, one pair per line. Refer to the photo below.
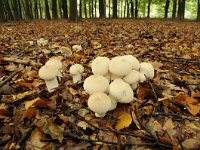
[124,121]
[30,103]
[193,109]
[22,95]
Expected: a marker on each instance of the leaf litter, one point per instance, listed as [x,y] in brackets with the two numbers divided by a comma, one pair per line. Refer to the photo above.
[164,115]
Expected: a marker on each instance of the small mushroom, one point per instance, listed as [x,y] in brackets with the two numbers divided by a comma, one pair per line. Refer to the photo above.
[113,102]
[49,73]
[57,64]
[121,90]
[95,83]
[132,77]
[147,69]
[100,65]
[120,66]
[99,103]
[76,70]
[77,48]
[134,61]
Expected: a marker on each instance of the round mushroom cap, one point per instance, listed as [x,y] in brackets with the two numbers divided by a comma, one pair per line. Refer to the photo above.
[100,65]
[76,69]
[120,66]
[47,72]
[99,103]
[132,77]
[134,61]
[54,62]
[113,103]
[142,77]
[121,90]
[147,69]
[95,83]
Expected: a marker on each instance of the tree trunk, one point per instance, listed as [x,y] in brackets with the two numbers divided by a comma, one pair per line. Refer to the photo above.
[102,10]
[92,4]
[125,5]
[64,9]
[85,8]
[198,10]
[167,8]
[181,9]
[132,9]
[149,8]
[90,9]
[128,11]
[109,8]
[73,16]
[95,8]
[40,8]
[28,10]
[2,12]
[9,12]
[114,8]
[54,9]
[36,14]
[174,9]
[47,14]
[16,10]
[136,9]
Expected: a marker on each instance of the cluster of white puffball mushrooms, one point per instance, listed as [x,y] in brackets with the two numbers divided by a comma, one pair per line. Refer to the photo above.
[49,73]
[113,81]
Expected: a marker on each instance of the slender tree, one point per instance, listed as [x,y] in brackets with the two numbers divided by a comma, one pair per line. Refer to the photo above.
[54,9]
[132,9]
[73,16]
[102,8]
[47,13]
[80,9]
[181,9]
[9,14]
[40,9]
[85,8]
[2,13]
[167,8]
[198,10]
[64,9]
[36,13]
[136,9]
[28,9]
[114,8]
[149,8]
[174,9]
[16,10]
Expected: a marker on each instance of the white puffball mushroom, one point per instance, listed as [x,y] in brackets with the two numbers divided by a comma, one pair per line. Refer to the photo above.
[100,65]
[42,42]
[108,76]
[147,69]
[120,66]
[113,103]
[134,61]
[56,63]
[75,71]
[142,77]
[134,86]
[95,83]
[113,77]
[48,73]
[77,48]
[99,103]
[132,77]
[121,90]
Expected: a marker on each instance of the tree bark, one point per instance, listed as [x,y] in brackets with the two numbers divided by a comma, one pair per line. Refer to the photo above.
[128,11]
[132,9]
[136,9]
[198,10]
[174,9]
[28,10]
[114,8]
[102,9]
[2,12]
[36,13]
[181,9]
[73,16]
[9,12]
[167,8]
[47,14]
[16,10]
[85,9]
[148,8]
[64,9]
[54,9]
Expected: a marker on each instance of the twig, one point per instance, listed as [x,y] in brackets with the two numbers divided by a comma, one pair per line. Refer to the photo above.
[9,78]
[20,61]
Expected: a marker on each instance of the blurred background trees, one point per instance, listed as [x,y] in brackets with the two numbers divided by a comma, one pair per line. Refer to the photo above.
[77,9]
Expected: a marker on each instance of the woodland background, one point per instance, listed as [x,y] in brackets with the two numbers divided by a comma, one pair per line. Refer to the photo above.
[77,9]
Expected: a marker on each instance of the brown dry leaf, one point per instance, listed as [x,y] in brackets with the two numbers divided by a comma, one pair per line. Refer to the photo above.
[50,128]
[135,120]
[30,112]
[191,144]
[180,98]
[142,92]
[124,121]
[11,67]
[31,102]
[169,128]
[196,94]
[190,100]
[193,109]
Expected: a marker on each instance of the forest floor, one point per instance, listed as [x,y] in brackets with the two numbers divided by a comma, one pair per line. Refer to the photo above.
[164,115]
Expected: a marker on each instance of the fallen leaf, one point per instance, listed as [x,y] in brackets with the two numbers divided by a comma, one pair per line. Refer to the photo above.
[193,109]
[30,112]
[169,128]
[50,128]
[124,121]
[135,120]
[22,95]
[31,102]
[191,144]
